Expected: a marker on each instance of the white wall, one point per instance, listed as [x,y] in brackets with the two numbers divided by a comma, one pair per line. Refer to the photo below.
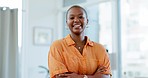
[41,13]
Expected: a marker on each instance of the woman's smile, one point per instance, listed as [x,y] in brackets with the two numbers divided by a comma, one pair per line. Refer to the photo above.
[77,26]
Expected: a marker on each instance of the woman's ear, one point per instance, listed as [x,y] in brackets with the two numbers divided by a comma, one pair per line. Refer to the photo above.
[87,21]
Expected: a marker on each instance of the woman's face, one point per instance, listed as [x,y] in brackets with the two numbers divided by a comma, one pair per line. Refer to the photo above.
[76,20]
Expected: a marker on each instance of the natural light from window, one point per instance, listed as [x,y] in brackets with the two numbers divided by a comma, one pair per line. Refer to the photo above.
[134,38]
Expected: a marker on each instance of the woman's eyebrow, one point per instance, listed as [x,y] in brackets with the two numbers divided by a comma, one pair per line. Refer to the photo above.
[81,14]
[71,15]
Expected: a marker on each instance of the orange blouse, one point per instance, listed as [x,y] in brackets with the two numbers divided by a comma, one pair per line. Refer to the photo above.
[64,57]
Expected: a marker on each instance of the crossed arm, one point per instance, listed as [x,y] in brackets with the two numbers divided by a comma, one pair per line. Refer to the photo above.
[75,75]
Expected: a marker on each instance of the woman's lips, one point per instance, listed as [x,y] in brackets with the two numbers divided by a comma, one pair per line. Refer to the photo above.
[77,26]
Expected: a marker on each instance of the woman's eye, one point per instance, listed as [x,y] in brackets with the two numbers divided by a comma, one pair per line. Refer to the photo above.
[80,16]
[71,17]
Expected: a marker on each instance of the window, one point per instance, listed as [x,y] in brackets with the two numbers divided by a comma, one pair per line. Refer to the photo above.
[134,37]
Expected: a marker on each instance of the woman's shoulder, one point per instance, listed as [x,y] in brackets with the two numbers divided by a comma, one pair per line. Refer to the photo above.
[99,45]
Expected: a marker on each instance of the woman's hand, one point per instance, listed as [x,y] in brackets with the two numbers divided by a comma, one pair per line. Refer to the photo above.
[69,75]
[101,69]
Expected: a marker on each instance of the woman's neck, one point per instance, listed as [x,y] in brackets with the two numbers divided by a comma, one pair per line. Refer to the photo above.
[78,39]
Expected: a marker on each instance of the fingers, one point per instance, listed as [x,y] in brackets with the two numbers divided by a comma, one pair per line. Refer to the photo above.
[62,75]
[67,75]
[101,69]
[59,76]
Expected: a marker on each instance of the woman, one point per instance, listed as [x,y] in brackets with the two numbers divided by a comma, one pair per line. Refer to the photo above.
[75,56]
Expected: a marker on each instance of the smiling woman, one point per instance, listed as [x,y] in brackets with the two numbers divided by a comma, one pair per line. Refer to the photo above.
[76,56]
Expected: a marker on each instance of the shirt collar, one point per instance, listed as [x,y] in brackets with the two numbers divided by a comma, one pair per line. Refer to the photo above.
[70,42]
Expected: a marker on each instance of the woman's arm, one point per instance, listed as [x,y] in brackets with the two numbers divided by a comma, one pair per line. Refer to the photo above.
[98,76]
[75,75]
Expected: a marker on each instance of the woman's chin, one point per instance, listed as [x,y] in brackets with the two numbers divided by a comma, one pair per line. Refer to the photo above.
[77,33]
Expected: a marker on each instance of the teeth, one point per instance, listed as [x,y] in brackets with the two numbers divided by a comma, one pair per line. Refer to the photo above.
[77,25]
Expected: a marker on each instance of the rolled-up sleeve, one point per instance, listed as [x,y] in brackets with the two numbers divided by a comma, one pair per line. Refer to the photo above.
[104,61]
[55,61]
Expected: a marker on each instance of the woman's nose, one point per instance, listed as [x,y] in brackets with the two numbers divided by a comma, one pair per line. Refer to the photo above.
[76,20]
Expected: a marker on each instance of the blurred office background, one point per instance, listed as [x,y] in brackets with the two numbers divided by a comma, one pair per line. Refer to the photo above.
[120,25]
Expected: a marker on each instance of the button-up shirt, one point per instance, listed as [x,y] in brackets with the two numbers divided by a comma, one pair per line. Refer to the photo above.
[64,57]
